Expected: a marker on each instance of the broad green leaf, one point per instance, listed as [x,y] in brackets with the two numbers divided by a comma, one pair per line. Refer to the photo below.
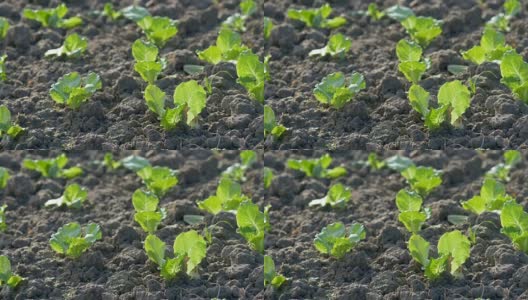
[408,51]
[144,51]
[419,249]
[158,30]
[514,70]
[193,96]
[252,225]
[74,46]
[72,90]
[68,240]
[193,247]
[135,13]
[52,17]
[338,45]
[455,245]
[158,180]
[412,70]
[135,163]
[408,201]
[110,12]
[374,12]
[422,179]
[419,99]
[4,27]
[148,70]
[74,196]
[251,74]
[399,13]
[456,95]
[144,201]
[317,17]
[423,30]
[148,220]
[155,249]
[155,99]
[412,220]
[338,195]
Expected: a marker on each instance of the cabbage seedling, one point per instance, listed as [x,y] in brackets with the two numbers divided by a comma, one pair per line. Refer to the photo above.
[74,46]
[338,45]
[374,12]
[491,49]
[237,171]
[190,99]
[411,214]
[317,18]
[268,27]
[270,124]
[252,75]
[3,73]
[73,197]
[3,223]
[422,180]
[53,17]
[336,90]
[110,163]
[147,214]
[252,225]
[399,13]
[514,71]
[492,197]
[190,249]
[72,90]
[4,27]
[502,170]
[411,64]
[422,30]
[317,167]
[514,222]
[6,273]
[228,197]
[70,241]
[53,167]
[374,162]
[337,197]
[110,12]
[158,180]
[228,48]
[158,30]
[270,274]
[502,21]
[336,241]
[268,177]
[147,64]
[7,126]
[4,177]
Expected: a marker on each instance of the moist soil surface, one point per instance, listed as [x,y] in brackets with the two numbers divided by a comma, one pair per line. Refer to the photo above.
[380,117]
[117,117]
[117,267]
[380,267]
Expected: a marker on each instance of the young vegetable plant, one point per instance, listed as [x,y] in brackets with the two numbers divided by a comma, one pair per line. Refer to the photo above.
[228,197]
[374,12]
[110,163]
[70,241]
[72,90]
[237,21]
[491,49]
[147,64]
[502,171]
[422,30]
[268,177]
[4,27]
[514,71]
[53,17]
[252,225]
[111,13]
[338,45]
[268,27]
[270,274]
[190,99]
[336,241]
[514,222]
[74,46]
[270,124]
[3,223]
[317,18]
[3,73]
[4,177]
[53,167]
[158,180]
[492,198]
[190,248]
[337,197]
[336,90]
[453,251]
[147,214]
[158,30]
[374,162]
[7,126]
[317,167]
[454,99]
[411,213]
[252,74]
[411,64]
[422,180]
[73,197]
[228,48]
[6,273]
[502,21]
[237,171]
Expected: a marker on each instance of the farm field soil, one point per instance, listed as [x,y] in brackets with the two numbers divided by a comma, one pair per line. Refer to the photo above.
[117,267]
[381,267]
[117,117]
[380,117]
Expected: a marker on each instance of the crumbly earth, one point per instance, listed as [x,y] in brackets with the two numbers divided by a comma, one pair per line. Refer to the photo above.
[116,267]
[117,117]
[380,117]
[381,267]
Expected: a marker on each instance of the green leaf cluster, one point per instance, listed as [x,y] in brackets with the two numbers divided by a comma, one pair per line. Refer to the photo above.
[72,90]
[159,30]
[317,167]
[270,274]
[3,223]
[502,170]
[270,124]
[411,214]
[189,248]
[375,163]
[7,126]
[411,63]
[147,215]
[502,20]
[73,197]
[336,90]
[374,12]
[252,74]
[228,197]
[422,180]
[268,27]
[336,241]
[453,251]
[53,167]
[492,198]
[337,197]
[110,12]
[237,21]
[317,17]
[514,71]
[514,222]
[338,45]
[252,225]
[72,241]
[399,13]
[237,171]
[228,48]
[4,27]
[422,30]
[110,163]
[6,273]
[74,46]
[147,63]
[53,17]
[491,49]
[158,180]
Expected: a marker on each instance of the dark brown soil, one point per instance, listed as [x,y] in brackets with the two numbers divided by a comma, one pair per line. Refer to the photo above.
[380,267]
[116,267]
[117,117]
[381,117]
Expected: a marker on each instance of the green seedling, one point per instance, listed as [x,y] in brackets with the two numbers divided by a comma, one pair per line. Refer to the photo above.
[411,64]
[502,170]
[3,73]
[74,46]
[317,18]
[317,167]
[270,124]
[228,48]
[147,63]
[135,13]
[147,214]
[271,277]
[422,30]
[514,71]
[338,45]
[491,49]
[337,197]
[422,180]
[336,241]
[53,167]
[374,12]
[72,90]
[53,17]
[159,30]
[514,222]
[268,27]
[252,75]
[134,163]
[228,197]
[111,13]
[492,198]
[252,225]
[7,126]
[4,27]
[73,197]
[374,163]
[502,21]
[268,177]
[411,213]
[6,273]
[336,90]
[399,13]
[70,241]
[237,171]
[110,163]
[158,180]
[3,223]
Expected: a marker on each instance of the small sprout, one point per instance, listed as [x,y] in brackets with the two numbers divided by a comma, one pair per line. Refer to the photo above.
[270,274]
[72,90]
[111,13]
[317,167]
[237,171]
[502,21]
[268,177]
[3,73]
[228,197]
[337,197]
[190,97]
[7,126]
[4,27]
[73,197]
[190,249]
[270,124]
[228,48]
[158,30]
[3,223]
[338,45]
[317,18]
[374,12]
[422,180]
[268,27]
[336,90]
[74,46]
[69,239]
[53,167]
[53,17]
[491,49]
[158,180]
[147,214]
[399,13]
[336,241]
[411,64]
[514,71]
[492,197]
[422,30]
[411,214]
[6,273]
[514,222]
[147,64]
[110,163]
[252,75]
[4,177]
[135,13]
[374,162]
[502,171]
[252,225]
